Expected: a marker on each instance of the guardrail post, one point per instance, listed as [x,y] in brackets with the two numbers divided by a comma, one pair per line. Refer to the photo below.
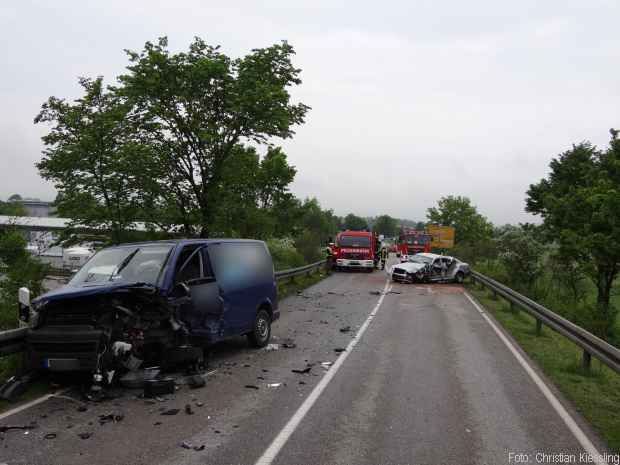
[586,361]
[514,308]
[538,327]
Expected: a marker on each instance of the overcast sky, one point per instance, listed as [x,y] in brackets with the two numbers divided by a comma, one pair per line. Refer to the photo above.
[411,100]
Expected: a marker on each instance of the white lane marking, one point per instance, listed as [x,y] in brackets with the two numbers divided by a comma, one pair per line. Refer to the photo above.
[32,403]
[280,440]
[553,400]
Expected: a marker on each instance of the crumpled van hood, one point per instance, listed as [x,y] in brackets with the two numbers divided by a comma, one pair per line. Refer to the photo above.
[85,290]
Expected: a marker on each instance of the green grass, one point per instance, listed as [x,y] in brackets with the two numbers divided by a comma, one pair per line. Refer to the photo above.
[596,395]
[288,287]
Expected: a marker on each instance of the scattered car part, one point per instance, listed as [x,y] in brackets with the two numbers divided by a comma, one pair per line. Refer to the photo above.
[158,387]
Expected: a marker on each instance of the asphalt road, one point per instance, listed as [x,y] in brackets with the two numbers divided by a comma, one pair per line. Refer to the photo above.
[428,382]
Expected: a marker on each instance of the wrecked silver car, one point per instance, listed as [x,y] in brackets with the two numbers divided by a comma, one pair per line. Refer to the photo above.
[428,267]
[153,304]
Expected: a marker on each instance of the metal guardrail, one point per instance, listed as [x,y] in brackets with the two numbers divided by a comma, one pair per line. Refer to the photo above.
[12,341]
[306,269]
[591,344]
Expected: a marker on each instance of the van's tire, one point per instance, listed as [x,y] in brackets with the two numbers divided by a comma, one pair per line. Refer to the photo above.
[459,278]
[260,335]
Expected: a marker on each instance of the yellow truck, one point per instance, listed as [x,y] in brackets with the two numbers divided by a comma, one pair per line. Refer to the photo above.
[442,236]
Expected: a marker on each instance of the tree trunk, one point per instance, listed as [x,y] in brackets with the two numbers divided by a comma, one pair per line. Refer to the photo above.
[604,285]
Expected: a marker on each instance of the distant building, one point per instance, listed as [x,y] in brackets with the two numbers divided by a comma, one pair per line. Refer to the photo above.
[36,207]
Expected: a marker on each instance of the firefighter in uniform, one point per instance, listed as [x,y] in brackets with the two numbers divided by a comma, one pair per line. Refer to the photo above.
[384,254]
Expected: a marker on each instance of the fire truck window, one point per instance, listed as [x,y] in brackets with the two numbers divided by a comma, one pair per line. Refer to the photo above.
[354,241]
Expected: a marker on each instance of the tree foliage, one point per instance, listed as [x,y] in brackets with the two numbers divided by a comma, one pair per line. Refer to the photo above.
[195,109]
[386,225]
[580,205]
[458,212]
[94,157]
[355,223]
[12,208]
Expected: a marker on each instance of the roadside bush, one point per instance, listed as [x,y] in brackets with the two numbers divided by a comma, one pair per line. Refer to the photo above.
[22,271]
[284,254]
[309,245]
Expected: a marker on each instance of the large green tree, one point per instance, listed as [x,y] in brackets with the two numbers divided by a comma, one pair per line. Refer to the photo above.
[579,202]
[386,225]
[460,213]
[195,108]
[355,223]
[94,157]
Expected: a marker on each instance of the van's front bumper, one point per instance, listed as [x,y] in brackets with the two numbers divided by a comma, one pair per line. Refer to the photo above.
[346,263]
[64,348]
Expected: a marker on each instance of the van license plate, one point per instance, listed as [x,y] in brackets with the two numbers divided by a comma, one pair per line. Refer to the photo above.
[62,364]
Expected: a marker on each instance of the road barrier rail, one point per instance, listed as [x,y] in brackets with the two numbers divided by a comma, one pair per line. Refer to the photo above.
[12,341]
[592,345]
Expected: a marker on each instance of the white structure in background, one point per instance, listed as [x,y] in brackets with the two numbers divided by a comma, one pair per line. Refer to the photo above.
[74,257]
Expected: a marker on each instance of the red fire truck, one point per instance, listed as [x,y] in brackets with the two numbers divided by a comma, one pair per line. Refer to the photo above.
[411,241]
[356,250]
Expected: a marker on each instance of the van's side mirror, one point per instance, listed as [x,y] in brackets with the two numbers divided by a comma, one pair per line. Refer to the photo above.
[180,290]
[23,297]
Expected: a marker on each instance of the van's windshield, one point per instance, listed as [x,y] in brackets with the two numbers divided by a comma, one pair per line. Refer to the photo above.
[124,265]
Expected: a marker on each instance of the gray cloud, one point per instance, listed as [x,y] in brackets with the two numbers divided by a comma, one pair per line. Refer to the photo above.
[411,100]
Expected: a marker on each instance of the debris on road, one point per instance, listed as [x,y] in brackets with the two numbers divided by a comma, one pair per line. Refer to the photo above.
[303,371]
[251,386]
[339,349]
[199,448]
[188,409]
[50,436]
[85,435]
[326,365]
[199,404]
[271,347]
[274,385]
[375,292]
[4,429]
[172,411]
[342,294]
[186,445]
[158,387]
[345,329]
[196,381]
[289,344]
[110,417]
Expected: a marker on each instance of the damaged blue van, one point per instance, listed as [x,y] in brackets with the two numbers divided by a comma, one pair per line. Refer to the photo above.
[153,303]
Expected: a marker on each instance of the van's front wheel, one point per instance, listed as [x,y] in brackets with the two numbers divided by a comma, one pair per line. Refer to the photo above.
[260,335]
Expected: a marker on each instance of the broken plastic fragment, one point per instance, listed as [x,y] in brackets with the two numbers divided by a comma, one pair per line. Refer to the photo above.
[172,411]
[274,385]
[304,371]
[271,347]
